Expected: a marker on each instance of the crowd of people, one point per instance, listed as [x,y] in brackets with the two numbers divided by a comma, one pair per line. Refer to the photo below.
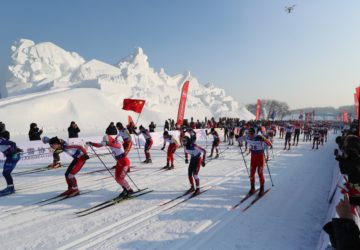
[344,231]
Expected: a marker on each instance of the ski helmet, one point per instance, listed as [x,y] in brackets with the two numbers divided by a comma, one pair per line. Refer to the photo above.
[45,139]
[119,125]
[54,140]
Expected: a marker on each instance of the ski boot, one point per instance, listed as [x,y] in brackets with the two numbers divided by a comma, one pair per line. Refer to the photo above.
[171,167]
[67,192]
[73,192]
[190,190]
[210,156]
[8,190]
[197,191]
[261,192]
[149,161]
[252,189]
[216,156]
[167,166]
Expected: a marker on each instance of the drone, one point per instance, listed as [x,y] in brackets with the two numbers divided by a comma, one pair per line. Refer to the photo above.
[289,9]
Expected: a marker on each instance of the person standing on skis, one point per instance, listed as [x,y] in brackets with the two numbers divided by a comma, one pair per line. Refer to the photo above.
[215,143]
[126,137]
[122,162]
[198,155]
[173,145]
[12,156]
[256,144]
[79,155]
[288,133]
[148,143]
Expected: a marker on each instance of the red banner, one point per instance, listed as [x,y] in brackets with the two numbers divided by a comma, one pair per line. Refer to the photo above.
[358,107]
[133,105]
[182,104]
[258,106]
[307,119]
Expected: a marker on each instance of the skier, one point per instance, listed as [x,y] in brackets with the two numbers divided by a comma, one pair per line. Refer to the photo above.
[296,134]
[80,156]
[56,154]
[231,135]
[257,161]
[288,132]
[148,143]
[316,138]
[12,156]
[195,161]
[173,145]
[126,137]
[122,162]
[215,143]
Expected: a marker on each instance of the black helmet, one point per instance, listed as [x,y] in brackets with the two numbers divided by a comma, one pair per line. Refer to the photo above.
[165,133]
[119,125]
[251,130]
[141,127]
[54,140]
[212,129]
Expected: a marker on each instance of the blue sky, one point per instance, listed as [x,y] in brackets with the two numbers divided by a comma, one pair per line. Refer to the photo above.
[253,49]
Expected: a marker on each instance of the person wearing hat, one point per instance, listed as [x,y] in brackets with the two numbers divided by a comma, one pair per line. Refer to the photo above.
[148,143]
[56,154]
[73,130]
[79,155]
[256,144]
[34,132]
[126,137]
[173,145]
[111,129]
[122,162]
[215,143]
[198,155]
[12,156]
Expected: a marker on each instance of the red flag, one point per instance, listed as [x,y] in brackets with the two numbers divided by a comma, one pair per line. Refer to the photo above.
[133,105]
[346,117]
[182,104]
[258,105]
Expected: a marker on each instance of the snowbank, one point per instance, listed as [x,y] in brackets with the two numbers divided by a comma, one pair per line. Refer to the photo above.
[46,67]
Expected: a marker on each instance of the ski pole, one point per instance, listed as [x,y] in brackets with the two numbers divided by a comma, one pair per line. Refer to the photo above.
[272,183]
[126,173]
[102,161]
[242,153]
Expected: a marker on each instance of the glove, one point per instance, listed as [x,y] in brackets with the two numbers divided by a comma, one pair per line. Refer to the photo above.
[19,150]
[271,146]
[86,157]
[203,163]
[89,143]
[162,148]
[186,161]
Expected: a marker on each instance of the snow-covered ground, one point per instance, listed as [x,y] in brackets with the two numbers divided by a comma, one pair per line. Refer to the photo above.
[290,216]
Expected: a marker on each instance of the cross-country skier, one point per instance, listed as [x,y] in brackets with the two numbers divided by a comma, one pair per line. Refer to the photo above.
[122,162]
[173,145]
[215,143]
[288,133]
[12,156]
[296,134]
[126,137]
[197,159]
[257,161]
[316,138]
[79,155]
[56,154]
[148,143]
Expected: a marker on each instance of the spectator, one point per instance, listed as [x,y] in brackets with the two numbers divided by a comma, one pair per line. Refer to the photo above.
[34,132]
[111,129]
[166,126]
[343,231]
[152,127]
[3,132]
[73,130]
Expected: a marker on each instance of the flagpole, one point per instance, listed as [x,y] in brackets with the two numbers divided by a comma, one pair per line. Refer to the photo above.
[135,126]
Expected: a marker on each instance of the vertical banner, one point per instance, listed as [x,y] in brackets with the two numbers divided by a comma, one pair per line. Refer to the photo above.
[182,104]
[358,106]
[307,119]
[258,105]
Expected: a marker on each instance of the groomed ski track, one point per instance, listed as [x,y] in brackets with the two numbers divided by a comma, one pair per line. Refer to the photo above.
[290,216]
